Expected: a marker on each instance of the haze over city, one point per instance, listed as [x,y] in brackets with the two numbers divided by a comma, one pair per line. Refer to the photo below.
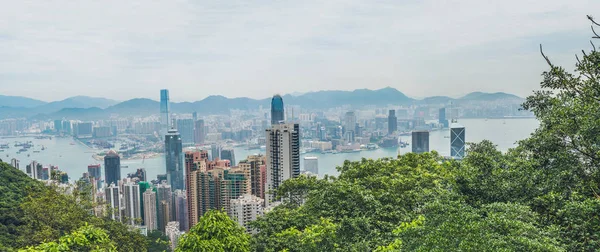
[122,50]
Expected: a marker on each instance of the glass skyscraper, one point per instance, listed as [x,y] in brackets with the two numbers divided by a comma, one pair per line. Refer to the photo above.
[277,109]
[164,112]
[112,168]
[457,141]
[420,141]
[174,159]
[185,127]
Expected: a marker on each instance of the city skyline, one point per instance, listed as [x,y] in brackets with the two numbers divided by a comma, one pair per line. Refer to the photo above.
[344,46]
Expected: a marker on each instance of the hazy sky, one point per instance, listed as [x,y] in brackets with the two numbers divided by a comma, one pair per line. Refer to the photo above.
[51,50]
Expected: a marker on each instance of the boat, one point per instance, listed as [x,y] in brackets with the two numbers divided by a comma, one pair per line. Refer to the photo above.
[28,155]
[36,151]
[23,150]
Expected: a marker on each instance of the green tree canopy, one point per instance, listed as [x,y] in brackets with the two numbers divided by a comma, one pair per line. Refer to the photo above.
[215,231]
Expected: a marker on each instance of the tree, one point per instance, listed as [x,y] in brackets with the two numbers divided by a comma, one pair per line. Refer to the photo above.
[215,231]
[86,238]
[157,241]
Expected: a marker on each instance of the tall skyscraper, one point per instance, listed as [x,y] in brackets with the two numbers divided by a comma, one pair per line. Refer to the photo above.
[174,160]
[131,193]
[349,121]
[112,195]
[150,211]
[164,200]
[245,209]
[34,170]
[185,127]
[283,155]
[392,122]
[311,164]
[181,209]
[58,126]
[112,168]
[215,151]
[165,122]
[420,141]
[228,154]
[277,111]
[199,133]
[457,141]
[95,170]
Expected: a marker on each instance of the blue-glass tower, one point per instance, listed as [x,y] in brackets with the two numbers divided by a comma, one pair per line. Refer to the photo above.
[164,112]
[174,160]
[277,110]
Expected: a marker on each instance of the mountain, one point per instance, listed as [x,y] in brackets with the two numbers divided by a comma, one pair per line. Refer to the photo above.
[82,107]
[480,96]
[19,102]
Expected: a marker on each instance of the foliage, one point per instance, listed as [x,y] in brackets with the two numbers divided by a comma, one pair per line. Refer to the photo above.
[86,238]
[215,231]
[157,241]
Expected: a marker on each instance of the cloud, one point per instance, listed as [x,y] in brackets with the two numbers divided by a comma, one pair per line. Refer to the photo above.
[126,49]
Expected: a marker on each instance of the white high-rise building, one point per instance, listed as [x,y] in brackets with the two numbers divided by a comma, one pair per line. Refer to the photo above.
[245,209]
[113,198]
[172,231]
[311,164]
[283,156]
[131,193]
[150,219]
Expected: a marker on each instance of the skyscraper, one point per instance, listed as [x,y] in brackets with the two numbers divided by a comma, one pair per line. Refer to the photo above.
[215,151]
[392,122]
[253,164]
[228,154]
[174,160]
[15,163]
[95,170]
[442,118]
[185,127]
[34,170]
[199,133]
[311,164]
[349,121]
[131,195]
[181,209]
[112,168]
[164,200]
[150,218]
[283,155]
[165,122]
[277,111]
[420,141]
[457,141]
[112,196]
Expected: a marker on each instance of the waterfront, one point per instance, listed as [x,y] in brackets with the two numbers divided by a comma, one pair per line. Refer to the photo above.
[74,157]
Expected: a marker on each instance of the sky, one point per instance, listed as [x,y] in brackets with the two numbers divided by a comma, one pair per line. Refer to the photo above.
[51,50]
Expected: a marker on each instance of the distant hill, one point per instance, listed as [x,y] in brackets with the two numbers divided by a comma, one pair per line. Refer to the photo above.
[81,107]
[480,96]
[19,102]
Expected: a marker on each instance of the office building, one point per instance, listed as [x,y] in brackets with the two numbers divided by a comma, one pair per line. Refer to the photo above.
[58,126]
[112,168]
[199,133]
[277,111]
[172,231]
[131,195]
[138,175]
[349,121]
[311,164]
[95,170]
[181,209]
[112,195]
[185,127]
[253,163]
[84,129]
[164,199]
[392,122]
[457,141]
[102,131]
[150,211]
[245,209]
[228,154]
[194,163]
[165,122]
[420,141]
[34,170]
[283,155]
[174,160]
[442,120]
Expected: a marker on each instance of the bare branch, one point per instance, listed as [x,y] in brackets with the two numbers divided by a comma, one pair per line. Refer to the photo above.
[593,46]
[545,57]
[592,19]
[597,36]
[577,58]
